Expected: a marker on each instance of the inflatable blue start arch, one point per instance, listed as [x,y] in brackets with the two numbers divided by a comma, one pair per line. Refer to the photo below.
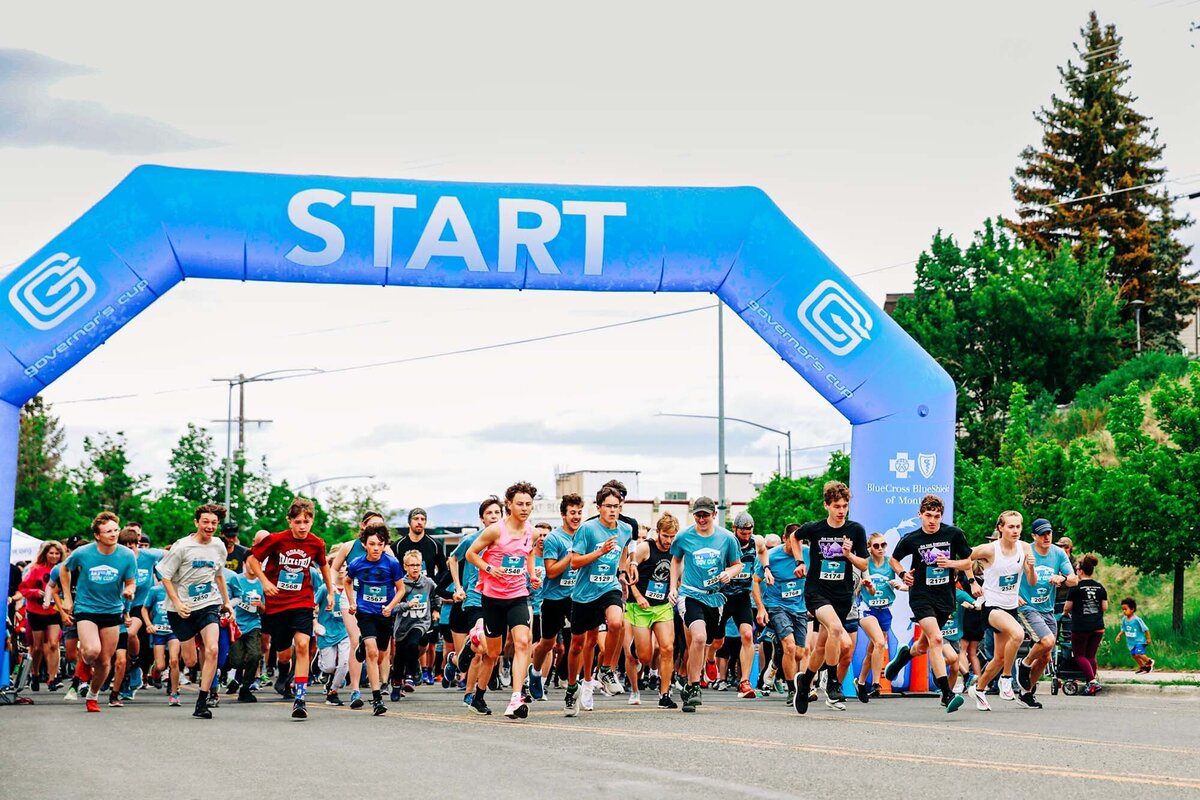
[161,225]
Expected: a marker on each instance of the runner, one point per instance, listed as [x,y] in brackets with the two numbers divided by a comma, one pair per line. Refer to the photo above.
[780,605]
[193,575]
[556,594]
[374,584]
[704,559]
[649,610]
[467,614]
[333,642]
[418,607]
[931,592]
[877,621]
[107,578]
[163,641]
[344,554]
[600,554]
[536,599]
[246,650]
[43,619]
[738,605]
[503,554]
[1003,560]
[834,545]
[1051,569]
[235,552]
[282,562]
[433,562]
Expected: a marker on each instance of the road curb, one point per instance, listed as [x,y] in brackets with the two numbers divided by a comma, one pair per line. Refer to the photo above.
[1175,692]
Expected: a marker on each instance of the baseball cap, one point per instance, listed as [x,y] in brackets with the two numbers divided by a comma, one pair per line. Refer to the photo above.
[704,504]
[993,536]
[1041,526]
[1065,542]
[415,512]
[743,520]
[229,529]
[75,540]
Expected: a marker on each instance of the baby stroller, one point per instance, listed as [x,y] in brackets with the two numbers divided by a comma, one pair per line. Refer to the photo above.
[1063,672]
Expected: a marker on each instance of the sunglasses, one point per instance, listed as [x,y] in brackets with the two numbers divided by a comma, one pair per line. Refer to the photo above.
[879,546]
[702,515]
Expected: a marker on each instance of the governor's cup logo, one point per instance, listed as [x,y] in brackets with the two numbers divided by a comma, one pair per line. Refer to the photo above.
[836,319]
[52,291]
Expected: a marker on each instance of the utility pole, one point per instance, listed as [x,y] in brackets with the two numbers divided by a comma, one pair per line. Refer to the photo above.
[721,411]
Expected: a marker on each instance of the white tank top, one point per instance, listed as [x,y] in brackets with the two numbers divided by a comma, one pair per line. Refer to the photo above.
[1002,580]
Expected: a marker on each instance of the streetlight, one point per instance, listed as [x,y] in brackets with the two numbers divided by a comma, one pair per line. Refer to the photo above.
[788,434]
[334,478]
[240,381]
[1137,315]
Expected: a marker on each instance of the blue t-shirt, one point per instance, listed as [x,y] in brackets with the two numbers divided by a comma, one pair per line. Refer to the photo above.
[537,595]
[1041,596]
[335,626]
[101,578]
[375,581]
[555,547]
[704,558]
[468,572]
[156,602]
[881,578]
[952,631]
[788,590]
[1134,630]
[600,576]
[243,591]
[147,560]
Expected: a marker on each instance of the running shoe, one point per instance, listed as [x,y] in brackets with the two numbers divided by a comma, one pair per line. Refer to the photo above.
[863,691]
[450,672]
[201,711]
[791,697]
[1027,700]
[698,696]
[903,656]
[719,686]
[281,683]
[570,701]
[299,710]
[665,701]
[427,677]
[537,689]
[635,698]
[115,701]
[587,696]
[746,691]
[173,700]
[93,706]
[504,674]
[233,686]
[378,709]
[129,694]
[710,671]
[480,705]
[834,697]
[653,681]
[952,703]
[1093,689]
[72,695]
[1150,667]
[395,695]
[332,699]
[609,683]
[800,699]
[356,701]
[1024,672]
[516,708]
[467,698]
[688,697]
[54,685]
[1006,689]
[876,690]
[246,696]
[410,685]
[981,703]
[136,679]
[476,636]
[769,674]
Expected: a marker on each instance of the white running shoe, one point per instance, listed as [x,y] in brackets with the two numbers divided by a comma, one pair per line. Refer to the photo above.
[635,698]
[1006,690]
[516,708]
[981,703]
[586,693]
[609,683]
[71,695]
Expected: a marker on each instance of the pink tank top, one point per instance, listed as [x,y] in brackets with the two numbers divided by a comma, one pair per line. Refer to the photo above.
[508,558]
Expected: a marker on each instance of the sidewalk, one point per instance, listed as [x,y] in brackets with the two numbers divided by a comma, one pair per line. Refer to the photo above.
[1128,676]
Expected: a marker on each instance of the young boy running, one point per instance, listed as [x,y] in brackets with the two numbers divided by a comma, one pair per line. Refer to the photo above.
[333,640]
[560,582]
[379,581]
[193,575]
[649,610]
[418,605]
[245,651]
[1137,635]
[163,641]
[282,562]
[780,604]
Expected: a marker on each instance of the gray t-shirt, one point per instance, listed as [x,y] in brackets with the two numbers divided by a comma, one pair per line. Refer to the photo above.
[422,590]
[193,568]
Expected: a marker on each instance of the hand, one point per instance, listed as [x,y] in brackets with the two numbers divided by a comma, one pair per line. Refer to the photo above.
[673,597]
[353,608]
[414,603]
[976,589]
[182,609]
[152,629]
[258,604]
[763,616]
[535,581]
[1057,580]
[724,577]
[643,603]
[942,561]
[226,610]
[801,569]
[388,609]
[128,592]
[459,595]
[330,604]
[908,578]
[318,629]
[768,576]
[609,545]
[847,546]
[67,606]
[269,588]
[128,620]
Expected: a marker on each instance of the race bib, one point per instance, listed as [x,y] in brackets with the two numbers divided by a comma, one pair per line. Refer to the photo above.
[375,594]
[163,627]
[201,593]
[937,576]
[950,629]
[833,570]
[512,565]
[1009,583]
[602,579]
[656,590]
[878,602]
[715,579]
[790,590]
[291,580]
[419,608]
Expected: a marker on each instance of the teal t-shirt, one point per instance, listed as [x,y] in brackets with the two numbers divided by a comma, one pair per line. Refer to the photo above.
[600,576]
[537,595]
[101,578]
[468,572]
[156,601]
[788,591]
[881,578]
[1040,597]
[704,557]
[243,591]
[335,627]
[952,631]
[1134,630]
[555,547]
[147,560]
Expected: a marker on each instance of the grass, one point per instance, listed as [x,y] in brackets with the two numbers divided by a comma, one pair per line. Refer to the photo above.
[1171,652]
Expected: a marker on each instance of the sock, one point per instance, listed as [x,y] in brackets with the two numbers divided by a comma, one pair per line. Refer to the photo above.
[301,687]
[808,676]
[201,697]
[517,697]
[479,695]
[75,682]
[376,696]
[943,683]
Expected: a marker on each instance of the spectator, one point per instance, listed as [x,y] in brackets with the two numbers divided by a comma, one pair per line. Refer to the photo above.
[1086,605]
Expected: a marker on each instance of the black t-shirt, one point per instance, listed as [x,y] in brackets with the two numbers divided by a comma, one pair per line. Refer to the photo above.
[742,582]
[431,553]
[830,573]
[1087,605]
[930,580]
[237,558]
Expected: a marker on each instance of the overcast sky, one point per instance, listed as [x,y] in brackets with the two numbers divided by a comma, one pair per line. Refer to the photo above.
[871,124]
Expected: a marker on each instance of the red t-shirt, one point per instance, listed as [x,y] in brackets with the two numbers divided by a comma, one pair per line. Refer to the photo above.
[287,561]
[33,588]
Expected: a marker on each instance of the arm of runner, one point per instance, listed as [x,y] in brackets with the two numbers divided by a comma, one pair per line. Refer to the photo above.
[255,570]
[459,593]
[348,590]
[558,566]
[226,605]
[676,570]
[328,587]
[756,591]
[579,560]
[623,568]
[339,556]
[535,580]
[64,578]
[905,575]
[1030,572]
[181,608]
[490,535]
[859,562]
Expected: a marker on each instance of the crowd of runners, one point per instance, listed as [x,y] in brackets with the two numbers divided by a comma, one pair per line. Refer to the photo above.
[516,609]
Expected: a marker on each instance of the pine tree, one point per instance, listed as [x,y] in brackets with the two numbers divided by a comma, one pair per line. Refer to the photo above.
[1097,182]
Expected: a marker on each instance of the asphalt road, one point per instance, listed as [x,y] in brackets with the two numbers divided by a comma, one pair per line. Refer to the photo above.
[429,745]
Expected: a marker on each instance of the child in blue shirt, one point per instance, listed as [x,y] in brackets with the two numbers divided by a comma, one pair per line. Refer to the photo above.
[1137,635]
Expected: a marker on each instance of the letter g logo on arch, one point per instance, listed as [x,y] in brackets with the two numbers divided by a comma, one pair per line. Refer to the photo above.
[837,320]
[53,291]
